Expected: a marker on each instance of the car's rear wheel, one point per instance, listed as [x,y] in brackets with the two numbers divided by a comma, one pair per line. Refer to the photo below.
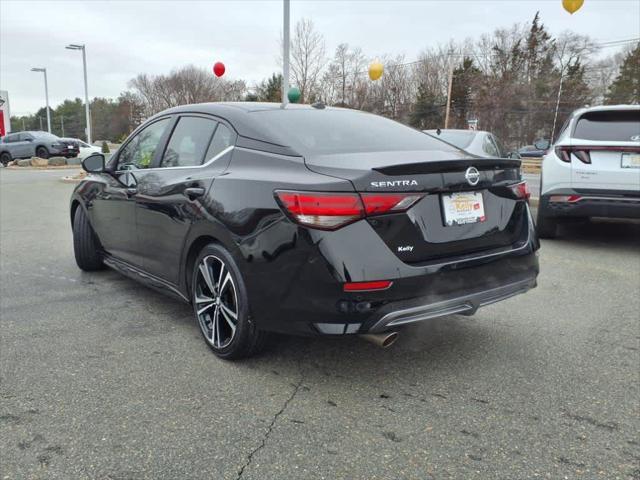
[5,158]
[86,246]
[221,305]
[546,227]
[42,152]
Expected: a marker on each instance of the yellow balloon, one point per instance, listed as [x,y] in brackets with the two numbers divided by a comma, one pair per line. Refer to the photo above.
[572,6]
[376,69]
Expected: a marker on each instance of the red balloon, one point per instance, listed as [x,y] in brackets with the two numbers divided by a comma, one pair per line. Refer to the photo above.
[218,69]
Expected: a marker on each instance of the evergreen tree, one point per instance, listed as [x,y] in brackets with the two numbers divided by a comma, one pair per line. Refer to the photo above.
[464,78]
[270,90]
[427,110]
[626,87]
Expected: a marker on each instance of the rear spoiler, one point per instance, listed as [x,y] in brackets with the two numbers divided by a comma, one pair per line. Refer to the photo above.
[450,166]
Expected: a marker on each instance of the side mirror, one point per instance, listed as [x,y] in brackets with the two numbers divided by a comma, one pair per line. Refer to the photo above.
[542,144]
[514,155]
[28,139]
[94,163]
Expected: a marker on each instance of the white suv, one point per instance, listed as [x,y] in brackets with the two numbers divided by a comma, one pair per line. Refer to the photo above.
[593,170]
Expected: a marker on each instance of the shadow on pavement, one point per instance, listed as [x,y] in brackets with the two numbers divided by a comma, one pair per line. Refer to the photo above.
[602,232]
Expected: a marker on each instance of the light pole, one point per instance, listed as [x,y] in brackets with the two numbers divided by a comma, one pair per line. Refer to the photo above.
[46,96]
[285,54]
[74,46]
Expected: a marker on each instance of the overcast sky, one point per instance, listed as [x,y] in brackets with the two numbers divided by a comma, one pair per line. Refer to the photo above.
[125,38]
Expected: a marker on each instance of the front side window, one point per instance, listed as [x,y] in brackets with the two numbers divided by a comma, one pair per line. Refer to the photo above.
[139,152]
[189,142]
[223,138]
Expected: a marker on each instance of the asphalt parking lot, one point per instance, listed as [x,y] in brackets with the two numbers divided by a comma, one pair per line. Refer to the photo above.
[102,378]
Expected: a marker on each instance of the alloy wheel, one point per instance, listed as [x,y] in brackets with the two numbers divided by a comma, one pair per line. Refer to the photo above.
[216,301]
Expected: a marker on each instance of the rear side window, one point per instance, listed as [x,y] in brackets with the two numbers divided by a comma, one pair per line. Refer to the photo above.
[188,142]
[327,131]
[459,139]
[489,148]
[612,125]
[223,138]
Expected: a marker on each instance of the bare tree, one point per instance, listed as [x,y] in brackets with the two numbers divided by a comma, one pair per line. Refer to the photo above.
[184,86]
[307,58]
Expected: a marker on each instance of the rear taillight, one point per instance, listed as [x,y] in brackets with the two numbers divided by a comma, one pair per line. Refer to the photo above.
[564,198]
[367,286]
[326,211]
[329,211]
[521,190]
[379,203]
[581,153]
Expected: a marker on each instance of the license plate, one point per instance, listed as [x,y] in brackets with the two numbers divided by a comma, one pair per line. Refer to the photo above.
[631,160]
[462,208]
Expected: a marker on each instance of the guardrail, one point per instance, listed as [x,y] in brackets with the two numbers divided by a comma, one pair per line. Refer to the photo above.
[531,165]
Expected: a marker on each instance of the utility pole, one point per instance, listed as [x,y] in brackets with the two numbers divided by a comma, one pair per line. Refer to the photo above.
[81,47]
[62,124]
[46,96]
[285,53]
[555,117]
[449,88]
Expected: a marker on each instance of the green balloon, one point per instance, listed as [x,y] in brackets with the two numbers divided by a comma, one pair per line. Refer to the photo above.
[293,95]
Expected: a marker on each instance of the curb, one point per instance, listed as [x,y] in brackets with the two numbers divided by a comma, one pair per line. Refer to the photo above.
[47,167]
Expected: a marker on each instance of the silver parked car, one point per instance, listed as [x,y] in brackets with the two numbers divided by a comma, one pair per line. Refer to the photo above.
[477,142]
[34,144]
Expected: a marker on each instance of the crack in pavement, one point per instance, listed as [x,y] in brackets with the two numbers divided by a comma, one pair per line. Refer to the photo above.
[270,428]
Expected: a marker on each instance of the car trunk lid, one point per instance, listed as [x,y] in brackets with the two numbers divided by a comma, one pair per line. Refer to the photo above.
[468,204]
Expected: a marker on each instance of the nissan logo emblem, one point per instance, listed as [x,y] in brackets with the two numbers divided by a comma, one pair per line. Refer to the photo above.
[472,175]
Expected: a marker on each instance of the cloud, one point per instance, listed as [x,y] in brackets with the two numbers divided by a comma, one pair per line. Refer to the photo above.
[125,38]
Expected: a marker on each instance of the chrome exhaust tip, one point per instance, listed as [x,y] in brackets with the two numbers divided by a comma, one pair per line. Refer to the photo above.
[383,340]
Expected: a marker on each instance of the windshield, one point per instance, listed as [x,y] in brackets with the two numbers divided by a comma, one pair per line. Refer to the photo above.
[319,132]
[459,139]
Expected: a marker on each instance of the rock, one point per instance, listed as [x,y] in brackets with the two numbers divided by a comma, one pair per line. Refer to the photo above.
[26,162]
[57,161]
[12,163]
[39,162]
[74,161]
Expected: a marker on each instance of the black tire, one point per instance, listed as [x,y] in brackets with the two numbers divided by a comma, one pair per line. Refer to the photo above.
[86,246]
[5,158]
[546,227]
[245,340]
[42,152]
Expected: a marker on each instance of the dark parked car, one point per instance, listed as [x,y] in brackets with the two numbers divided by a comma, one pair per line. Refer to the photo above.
[34,144]
[306,220]
[478,142]
[532,151]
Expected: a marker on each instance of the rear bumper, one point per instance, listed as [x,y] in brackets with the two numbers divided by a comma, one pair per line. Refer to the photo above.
[308,299]
[592,203]
[467,304]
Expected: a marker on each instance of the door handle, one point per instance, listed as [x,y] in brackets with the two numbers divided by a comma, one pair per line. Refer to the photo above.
[193,192]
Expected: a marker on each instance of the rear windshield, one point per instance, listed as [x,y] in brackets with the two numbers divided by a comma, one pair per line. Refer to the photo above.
[459,139]
[617,126]
[321,132]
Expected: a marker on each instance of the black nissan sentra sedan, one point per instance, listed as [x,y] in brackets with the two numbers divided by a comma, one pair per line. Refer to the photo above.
[305,219]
